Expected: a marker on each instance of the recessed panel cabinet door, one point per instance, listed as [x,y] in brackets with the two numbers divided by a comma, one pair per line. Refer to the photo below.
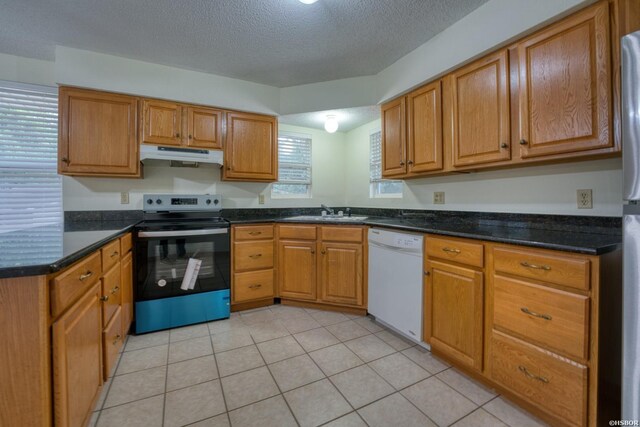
[453,320]
[251,147]
[162,122]
[425,129]
[565,86]
[393,138]
[77,360]
[297,269]
[480,111]
[205,128]
[341,271]
[97,133]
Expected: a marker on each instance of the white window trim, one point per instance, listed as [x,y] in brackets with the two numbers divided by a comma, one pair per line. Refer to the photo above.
[374,194]
[309,193]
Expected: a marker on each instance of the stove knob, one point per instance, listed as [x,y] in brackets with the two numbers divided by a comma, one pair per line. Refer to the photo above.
[158,201]
[208,201]
[216,201]
[149,201]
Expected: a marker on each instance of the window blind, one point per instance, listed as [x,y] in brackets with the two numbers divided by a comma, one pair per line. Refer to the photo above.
[380,187]
[294,166]
[30,187]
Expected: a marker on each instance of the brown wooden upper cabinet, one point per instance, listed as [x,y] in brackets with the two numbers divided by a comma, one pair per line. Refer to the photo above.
[251,148]
[565,86]
[173,124]
[480,111]
[97,134]
[412,133]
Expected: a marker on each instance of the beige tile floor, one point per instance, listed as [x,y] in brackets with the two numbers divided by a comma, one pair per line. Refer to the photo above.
[284,366]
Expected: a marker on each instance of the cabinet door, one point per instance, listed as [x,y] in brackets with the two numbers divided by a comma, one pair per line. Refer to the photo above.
[424,129]
[205,128]
[341,273]
[77,360]
[97,133]
[297,269]
[480,111]
[251,148]
[394,138]
[453,312]
[162,122]
[127,292]
[565,86]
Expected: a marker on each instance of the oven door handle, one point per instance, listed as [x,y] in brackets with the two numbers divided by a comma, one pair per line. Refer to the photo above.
[183,233]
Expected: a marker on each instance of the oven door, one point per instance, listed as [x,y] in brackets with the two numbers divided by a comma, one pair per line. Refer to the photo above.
[162,262]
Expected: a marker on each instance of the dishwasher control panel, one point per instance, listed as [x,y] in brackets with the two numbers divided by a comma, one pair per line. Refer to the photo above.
[396,240]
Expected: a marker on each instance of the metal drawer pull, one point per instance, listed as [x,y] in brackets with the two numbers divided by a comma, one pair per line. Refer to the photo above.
[525,310]
[255,286]
[104,298]
[255,256]
[116,339]
[535,266]
[114,254]
[86,275]
[451,250]
[255,233]
[114,290]
[525,371]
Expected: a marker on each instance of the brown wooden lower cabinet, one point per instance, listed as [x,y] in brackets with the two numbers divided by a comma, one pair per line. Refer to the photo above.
[527,322]
[341,273]
[253,266]
[77,360]
[297,269]
[63,337]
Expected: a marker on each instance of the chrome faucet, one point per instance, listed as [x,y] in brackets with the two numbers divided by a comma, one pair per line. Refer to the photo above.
[328,209]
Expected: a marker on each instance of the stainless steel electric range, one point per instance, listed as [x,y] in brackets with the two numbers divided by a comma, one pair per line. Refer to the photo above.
[182,262]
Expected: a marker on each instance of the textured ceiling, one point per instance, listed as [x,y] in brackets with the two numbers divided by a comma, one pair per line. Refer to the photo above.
[275,42]
[348,118]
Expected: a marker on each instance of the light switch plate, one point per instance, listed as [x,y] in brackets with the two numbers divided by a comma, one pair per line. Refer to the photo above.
[585,199]
[261,199]
[124,198]
[438,198]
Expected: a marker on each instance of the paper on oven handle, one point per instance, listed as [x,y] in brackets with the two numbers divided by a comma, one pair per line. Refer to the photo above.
[191,274]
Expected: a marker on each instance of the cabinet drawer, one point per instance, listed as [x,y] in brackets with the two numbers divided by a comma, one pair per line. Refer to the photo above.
[342,234]
[547,316]
[455,250]
[110,254]
[297,232]
[68,286]
[252,255]
[111,293]
[253,232]
[252,285]
[540,377]
[125,244]
[553,268]
[112,340]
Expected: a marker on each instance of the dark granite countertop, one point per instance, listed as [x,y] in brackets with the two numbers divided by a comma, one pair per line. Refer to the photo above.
[577,239]
[47,249]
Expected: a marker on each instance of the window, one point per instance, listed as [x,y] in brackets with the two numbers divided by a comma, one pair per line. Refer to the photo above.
[379,187]
[294,167]
[30,187]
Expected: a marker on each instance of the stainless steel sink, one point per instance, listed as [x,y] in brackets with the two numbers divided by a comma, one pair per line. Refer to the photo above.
[327,218]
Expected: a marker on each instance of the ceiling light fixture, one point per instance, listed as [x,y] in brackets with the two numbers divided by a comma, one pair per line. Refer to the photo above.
[308,1]
[331,122]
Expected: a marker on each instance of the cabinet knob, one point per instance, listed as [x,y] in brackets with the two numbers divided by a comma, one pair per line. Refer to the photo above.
[523,142]
[65,160]
[189,136]
[410,162]
[426,273]
[177,135]
[322,252]
[504,145]
[104,298]
[312,252]
[228,168]
[401,163]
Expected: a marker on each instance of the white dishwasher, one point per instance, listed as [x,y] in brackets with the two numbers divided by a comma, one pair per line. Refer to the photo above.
[395,281]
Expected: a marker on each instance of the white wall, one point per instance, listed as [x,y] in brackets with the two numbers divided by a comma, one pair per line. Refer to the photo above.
[549,189]
[328,175]
[26,70]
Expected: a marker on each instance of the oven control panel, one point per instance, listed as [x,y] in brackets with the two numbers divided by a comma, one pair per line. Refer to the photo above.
[181,202]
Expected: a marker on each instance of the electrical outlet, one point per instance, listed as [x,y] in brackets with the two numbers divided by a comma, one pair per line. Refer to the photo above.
[585,199]
[438,198]
[124,198]
[261,199]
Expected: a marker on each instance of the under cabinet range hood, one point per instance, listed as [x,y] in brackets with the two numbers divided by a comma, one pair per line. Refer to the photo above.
[186,156]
